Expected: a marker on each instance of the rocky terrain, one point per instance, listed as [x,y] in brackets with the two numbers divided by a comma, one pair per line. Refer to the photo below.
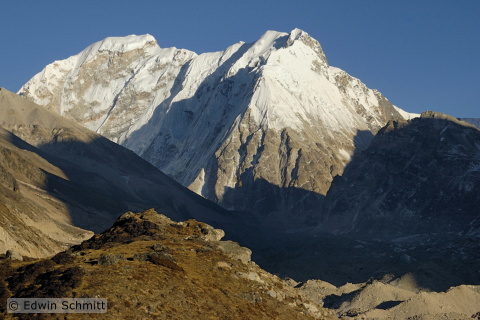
[256,122]
[349,272]
[395,298]
[416,177]
[61,181]
[150,267]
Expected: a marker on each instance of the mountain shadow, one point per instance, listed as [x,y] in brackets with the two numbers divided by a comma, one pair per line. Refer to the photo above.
[277,208]
[59,180]
[406,204]
[420,176]
[411,200]
[109,178]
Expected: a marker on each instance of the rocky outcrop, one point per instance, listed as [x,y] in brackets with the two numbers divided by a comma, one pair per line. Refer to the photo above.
[170,271]
[235,251]
[474,121]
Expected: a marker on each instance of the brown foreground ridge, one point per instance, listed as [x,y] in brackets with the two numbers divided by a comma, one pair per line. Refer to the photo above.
[150,267]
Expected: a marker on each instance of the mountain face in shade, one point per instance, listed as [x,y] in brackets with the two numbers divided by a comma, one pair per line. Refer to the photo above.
[406,206]
[418,176]
[61,181]
[261,127]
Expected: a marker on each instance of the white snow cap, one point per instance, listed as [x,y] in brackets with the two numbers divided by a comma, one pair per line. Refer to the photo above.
[122,44]
[295,34]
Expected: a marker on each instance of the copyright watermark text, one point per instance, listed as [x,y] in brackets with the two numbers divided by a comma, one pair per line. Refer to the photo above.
[57,305]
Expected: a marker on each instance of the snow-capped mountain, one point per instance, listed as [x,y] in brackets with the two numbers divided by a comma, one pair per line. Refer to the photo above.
[262,127]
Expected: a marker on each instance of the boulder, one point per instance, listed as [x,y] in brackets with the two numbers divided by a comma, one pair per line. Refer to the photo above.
[110,258]
[212,234]
[13,255]
[235,251]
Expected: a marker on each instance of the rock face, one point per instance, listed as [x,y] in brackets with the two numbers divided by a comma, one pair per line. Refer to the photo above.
[60,181]
[261,127]
[418,176]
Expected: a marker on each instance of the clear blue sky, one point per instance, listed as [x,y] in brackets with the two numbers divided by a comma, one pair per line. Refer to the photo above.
[420,54]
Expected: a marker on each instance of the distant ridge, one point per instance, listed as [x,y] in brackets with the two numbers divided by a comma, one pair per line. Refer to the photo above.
[474,121]
[416,177]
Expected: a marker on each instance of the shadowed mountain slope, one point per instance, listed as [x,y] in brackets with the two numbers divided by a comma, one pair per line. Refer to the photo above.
[417,176]
[86,180]
[408,204]
[32,221]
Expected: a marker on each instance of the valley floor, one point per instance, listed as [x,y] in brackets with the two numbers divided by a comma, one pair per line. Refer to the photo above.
[424,276]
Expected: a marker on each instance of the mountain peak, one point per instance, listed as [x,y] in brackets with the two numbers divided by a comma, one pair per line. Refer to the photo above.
[123,44]
[296,34]
[220,121]
[300,35]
